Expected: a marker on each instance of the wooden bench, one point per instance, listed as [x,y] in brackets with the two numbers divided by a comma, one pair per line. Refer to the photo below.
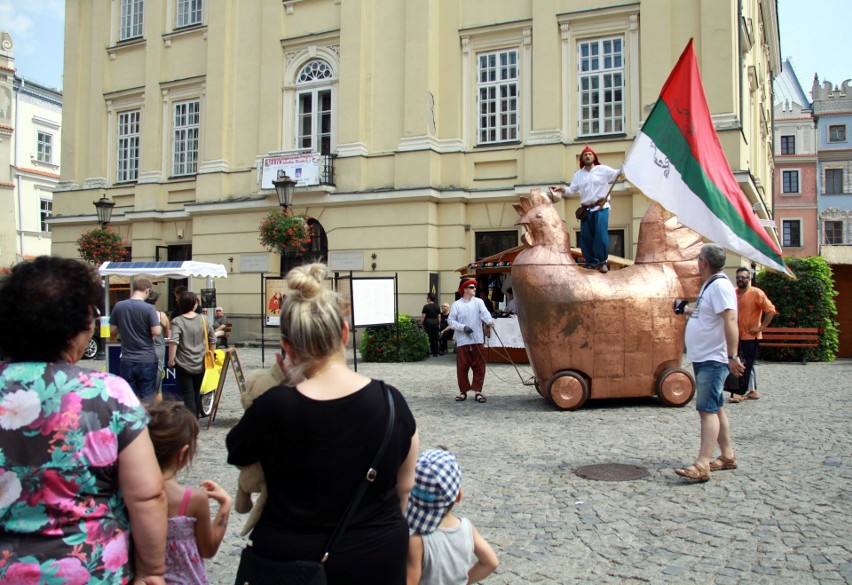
[222,341]
[803,337]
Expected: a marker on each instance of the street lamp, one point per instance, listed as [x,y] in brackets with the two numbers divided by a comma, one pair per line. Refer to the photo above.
[104,207]
[284,187]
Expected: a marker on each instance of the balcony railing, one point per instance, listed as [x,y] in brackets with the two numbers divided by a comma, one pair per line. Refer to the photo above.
[327,170]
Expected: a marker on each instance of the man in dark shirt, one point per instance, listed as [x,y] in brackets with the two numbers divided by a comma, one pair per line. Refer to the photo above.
[138,322]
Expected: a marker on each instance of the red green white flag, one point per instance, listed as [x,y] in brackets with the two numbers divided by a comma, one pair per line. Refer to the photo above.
[677,160]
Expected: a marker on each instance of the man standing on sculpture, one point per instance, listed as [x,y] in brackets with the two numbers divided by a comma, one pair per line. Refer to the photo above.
[711,346]
[466,317]
[592,183]
[754,314]
[138,322]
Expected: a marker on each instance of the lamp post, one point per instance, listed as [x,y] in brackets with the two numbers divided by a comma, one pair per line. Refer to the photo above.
[104,207]
[284,188]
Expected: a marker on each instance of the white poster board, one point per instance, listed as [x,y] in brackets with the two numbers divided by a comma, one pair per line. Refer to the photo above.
[303,168]
[373,301]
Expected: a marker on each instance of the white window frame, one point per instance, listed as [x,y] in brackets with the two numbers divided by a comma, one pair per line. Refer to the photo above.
[498,79]
[186,122]
[131,19]
[837,140]
[128,145]
[600,72]
[192,89]
[298,55]
[785,242]
[45,213]
[499,38]
[312,82]
[798,181]
[188,13]
[579,27]
[44,148]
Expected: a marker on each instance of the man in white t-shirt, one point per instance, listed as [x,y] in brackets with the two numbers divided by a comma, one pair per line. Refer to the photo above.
[712,336]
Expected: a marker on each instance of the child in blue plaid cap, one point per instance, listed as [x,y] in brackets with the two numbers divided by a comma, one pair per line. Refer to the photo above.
[443,549]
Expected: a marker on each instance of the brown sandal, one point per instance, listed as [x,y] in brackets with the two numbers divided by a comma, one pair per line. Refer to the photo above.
[721,463]
[694,473]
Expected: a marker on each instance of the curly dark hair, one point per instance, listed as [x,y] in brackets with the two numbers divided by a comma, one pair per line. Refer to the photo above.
[44,304]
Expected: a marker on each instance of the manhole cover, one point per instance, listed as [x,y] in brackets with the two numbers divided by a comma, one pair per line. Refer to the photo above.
[611,472]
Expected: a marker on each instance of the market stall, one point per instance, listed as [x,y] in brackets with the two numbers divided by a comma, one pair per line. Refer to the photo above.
[153,270]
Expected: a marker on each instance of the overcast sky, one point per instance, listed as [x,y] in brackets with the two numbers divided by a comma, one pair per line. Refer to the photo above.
[815,35]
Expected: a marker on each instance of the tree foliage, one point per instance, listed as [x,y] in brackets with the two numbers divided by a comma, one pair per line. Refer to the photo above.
[805,302]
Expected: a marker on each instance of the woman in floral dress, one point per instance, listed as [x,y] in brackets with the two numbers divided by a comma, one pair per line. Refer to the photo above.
[78,476]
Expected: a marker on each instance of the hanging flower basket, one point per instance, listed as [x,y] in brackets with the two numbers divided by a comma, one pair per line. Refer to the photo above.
[280,231]
[102,245]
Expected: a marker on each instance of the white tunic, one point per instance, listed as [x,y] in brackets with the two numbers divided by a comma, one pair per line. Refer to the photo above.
[593,185]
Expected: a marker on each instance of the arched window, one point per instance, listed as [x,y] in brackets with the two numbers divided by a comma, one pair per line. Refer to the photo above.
[314,107]
[315,251]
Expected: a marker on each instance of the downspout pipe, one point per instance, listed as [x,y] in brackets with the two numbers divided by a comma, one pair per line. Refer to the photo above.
[18,185]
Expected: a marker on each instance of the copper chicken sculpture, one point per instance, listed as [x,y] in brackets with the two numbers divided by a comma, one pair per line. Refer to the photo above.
[613,335]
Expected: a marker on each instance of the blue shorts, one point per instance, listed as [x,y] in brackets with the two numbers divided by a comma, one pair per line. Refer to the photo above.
[709,383]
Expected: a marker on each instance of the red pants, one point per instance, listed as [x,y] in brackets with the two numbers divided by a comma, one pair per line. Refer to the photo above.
[470,357]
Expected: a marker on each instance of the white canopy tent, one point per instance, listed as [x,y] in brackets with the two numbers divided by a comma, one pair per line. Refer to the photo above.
[184,269]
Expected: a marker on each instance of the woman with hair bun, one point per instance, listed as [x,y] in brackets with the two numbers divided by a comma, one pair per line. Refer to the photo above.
[315,442]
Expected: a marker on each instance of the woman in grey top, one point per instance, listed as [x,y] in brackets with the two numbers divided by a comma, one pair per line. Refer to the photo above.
[186,353]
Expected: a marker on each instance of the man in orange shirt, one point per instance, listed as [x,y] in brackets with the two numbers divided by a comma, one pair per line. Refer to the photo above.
[754,313]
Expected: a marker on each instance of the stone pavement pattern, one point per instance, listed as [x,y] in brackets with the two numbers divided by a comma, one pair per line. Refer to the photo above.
[783,517]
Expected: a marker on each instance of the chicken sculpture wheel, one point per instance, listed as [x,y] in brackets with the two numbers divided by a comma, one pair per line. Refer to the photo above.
[613,335]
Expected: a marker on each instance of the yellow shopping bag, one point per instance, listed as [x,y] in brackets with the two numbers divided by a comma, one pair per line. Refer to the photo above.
[211,375]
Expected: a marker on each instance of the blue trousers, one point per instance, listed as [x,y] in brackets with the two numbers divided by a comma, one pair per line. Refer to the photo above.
[141,377]
[594,237]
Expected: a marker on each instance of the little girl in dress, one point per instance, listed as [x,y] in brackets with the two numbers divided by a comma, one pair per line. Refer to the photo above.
[191,537]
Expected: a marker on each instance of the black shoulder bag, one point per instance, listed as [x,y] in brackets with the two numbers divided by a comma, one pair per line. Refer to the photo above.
[256,570]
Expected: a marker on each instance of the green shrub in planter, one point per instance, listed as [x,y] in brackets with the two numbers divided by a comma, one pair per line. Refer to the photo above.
[805,302]
[378,344]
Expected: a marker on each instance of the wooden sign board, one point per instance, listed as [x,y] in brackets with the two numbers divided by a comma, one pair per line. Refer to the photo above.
[232,359]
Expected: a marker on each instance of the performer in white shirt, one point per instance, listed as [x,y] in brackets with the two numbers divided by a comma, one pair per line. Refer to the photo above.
[592,183]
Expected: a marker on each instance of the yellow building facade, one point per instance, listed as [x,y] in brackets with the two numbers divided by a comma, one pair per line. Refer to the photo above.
[425,120]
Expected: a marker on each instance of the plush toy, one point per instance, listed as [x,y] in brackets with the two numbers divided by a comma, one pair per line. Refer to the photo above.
[251,480]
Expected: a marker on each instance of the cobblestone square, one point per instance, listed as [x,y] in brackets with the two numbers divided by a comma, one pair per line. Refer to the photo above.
[782,517]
